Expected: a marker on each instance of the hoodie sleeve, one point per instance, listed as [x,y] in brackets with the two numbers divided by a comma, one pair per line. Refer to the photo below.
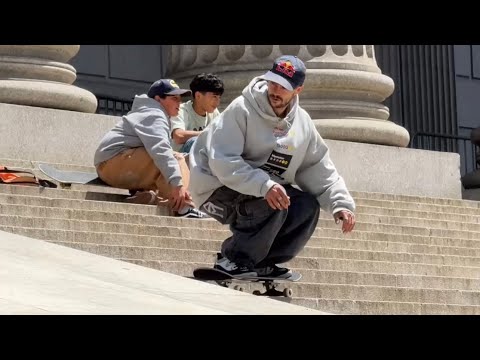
[227,141]
[154,132]
[318,175]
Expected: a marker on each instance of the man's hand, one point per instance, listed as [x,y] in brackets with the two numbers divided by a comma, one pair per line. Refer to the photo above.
[277,198]
[178,197]
[348,219]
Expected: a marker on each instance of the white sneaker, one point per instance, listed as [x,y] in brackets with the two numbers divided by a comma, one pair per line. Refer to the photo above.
[193,213]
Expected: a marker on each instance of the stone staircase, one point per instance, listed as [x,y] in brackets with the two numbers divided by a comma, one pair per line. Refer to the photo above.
[407,255]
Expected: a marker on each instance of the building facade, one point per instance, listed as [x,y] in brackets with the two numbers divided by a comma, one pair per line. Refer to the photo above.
[435,96]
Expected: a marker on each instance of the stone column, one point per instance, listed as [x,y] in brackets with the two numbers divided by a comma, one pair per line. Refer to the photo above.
[39,75]
[344,87]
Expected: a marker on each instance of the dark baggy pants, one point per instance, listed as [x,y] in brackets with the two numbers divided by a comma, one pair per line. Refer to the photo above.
[263,236]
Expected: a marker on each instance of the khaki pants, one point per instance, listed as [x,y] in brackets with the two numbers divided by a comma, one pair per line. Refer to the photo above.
[134,169]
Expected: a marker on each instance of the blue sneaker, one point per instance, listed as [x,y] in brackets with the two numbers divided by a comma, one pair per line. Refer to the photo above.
[274,271]
[233,269]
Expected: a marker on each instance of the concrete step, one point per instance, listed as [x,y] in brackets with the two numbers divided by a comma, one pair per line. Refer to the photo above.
[97,193]
[347,306]
[366,213]
[404,205]
[113,206]
[414,199]
[344,306]
[214,229]
[124,214]
[153,253]
[65,203]
[33,165]
[382,293]
[322,232]
[128,217]
[350,277]
[335,235]
[394,247]
[309,258]
[346,265]
[212,244]
[418,214]
[101,193]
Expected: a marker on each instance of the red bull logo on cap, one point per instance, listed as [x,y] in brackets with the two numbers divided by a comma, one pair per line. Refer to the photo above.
[286,67]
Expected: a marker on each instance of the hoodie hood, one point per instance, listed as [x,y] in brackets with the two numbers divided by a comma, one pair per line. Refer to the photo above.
[144,103]
[256,94]
[249,149]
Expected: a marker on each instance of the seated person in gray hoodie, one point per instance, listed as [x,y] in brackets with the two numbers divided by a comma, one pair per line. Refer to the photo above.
[243,168]
[137,155]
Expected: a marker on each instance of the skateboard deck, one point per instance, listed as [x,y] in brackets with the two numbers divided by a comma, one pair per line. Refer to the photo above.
[270,283]
[66,178]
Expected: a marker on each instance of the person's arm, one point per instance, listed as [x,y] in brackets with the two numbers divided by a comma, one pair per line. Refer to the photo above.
[180,136]
[318,175]
[225,144]
[153,131]
[178,125]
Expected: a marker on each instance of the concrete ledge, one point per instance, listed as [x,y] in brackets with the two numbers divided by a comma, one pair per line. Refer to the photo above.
[50,135]
[395,170]
[42,278]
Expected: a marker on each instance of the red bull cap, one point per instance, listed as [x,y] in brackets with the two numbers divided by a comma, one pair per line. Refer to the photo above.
[166,87]
[288,71]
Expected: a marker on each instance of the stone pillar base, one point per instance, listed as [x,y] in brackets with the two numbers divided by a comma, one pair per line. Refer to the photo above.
[47,94]
[362,130]
[39,75]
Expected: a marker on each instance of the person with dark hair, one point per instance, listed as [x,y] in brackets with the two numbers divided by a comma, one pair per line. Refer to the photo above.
[262,168]
[137,155]
[196,114]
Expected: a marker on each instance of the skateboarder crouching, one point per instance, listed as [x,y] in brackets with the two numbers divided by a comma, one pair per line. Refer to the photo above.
[137,155]
[244,167]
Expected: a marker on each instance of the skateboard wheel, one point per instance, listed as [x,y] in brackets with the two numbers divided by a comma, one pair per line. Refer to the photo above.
[288,292]
[256,292]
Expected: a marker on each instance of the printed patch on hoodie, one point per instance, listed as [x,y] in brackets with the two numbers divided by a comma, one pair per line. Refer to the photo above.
[278,132]
[277,163]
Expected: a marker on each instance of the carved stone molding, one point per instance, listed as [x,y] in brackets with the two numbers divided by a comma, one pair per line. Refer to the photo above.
[344,87]
[39,75]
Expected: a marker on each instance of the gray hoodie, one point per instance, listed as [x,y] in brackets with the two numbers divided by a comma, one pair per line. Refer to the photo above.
[146,125]
[249,149]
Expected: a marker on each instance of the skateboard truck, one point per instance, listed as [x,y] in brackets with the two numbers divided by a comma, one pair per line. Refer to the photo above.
[271,290]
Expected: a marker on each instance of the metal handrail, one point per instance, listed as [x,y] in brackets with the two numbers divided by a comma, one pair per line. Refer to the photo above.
[449,143]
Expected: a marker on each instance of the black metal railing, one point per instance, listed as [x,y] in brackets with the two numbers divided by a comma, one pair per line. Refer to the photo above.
[449,143]
[113,106]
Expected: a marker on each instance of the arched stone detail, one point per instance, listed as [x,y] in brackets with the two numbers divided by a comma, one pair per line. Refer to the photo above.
[290,49]
[344,87]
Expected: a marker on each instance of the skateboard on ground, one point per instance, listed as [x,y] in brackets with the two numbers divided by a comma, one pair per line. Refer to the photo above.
[269,283]
[66,178]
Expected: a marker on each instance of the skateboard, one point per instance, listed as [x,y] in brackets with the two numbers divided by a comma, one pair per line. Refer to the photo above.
[269,283]
[67,178]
